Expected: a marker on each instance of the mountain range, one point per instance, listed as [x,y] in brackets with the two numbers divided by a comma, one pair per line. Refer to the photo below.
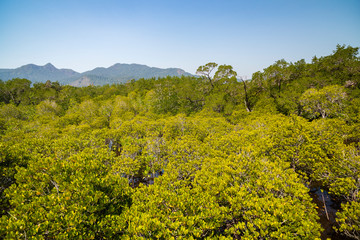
[117,73]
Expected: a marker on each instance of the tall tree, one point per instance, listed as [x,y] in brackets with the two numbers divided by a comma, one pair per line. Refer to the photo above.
[277,74]
[206,70]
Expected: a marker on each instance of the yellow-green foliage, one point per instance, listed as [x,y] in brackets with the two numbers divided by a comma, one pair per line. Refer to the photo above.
[183,158]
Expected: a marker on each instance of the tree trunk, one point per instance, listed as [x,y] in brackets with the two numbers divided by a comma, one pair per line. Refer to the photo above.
[246,100]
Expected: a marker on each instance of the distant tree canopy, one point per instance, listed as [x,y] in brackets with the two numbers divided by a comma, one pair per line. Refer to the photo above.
[191,157]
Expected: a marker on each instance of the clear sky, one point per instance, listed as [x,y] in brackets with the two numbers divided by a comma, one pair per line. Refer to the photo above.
[247,34]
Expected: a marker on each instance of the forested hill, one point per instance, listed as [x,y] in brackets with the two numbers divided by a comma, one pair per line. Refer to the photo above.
[186,157]
[118,73]
[37,73]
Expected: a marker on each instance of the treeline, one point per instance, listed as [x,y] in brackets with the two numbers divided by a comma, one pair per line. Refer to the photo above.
[211,156]
[287,88]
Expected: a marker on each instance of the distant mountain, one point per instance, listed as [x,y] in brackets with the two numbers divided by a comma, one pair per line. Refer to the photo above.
[118,73]
[37,73]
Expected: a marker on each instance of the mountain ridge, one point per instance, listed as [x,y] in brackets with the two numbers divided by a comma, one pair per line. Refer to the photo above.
[116,73]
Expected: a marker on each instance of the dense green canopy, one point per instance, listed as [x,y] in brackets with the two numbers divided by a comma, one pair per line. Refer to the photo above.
[207,157]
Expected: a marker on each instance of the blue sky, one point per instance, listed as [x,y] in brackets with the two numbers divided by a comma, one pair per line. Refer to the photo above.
[249,35]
